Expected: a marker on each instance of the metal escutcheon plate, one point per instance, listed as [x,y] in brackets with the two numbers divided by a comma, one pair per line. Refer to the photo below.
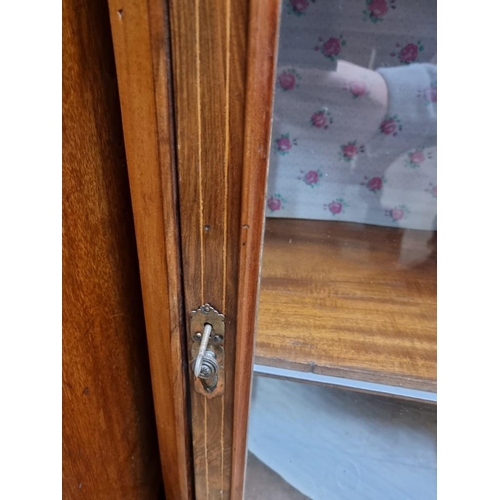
[207,314]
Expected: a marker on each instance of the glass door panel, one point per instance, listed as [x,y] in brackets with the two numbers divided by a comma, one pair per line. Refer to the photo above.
[344,397]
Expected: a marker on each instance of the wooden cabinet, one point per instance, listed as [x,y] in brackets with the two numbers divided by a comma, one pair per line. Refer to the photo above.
[110,449]
[333,298]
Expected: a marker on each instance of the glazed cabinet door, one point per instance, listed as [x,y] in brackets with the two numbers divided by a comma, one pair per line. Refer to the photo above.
[344,393]
[282,163]
[196,88]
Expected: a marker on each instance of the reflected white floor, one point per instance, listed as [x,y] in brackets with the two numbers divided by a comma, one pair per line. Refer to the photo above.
[329,443]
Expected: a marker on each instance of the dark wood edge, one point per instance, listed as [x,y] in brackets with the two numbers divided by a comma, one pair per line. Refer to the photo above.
[263,32]
[142,53]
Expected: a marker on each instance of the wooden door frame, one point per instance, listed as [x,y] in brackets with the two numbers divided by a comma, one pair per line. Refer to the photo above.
[142,54]
[262,55]
[175,182]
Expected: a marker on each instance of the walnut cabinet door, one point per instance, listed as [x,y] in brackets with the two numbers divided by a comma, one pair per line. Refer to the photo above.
[281,160]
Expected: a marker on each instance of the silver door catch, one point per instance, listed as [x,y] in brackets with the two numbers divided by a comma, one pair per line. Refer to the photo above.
[207,350]
[203,348]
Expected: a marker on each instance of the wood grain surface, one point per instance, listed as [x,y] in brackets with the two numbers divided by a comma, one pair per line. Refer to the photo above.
[261,68]
[209,58]
[209,71]
[349,300]
[141,44]
[110,447]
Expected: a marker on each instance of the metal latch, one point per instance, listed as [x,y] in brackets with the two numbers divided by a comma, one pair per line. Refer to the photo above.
[207,350]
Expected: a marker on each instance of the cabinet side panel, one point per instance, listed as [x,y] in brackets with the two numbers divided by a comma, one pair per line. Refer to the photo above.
[141,45]
[110,447]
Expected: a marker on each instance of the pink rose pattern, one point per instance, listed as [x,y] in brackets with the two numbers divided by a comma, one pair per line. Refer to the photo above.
[288,80]
[357,89]
[283,144]
[416,157]
[349,151]
[336,207]
[298,7]
[398,213]
[311,178]
[407,53]
[275,202]
[377,9]
[391,125]
[429,94]
[432,189]
[321,119]
[374,184]
[332,47]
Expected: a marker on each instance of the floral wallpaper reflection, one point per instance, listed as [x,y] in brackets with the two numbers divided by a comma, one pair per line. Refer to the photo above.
[354,131]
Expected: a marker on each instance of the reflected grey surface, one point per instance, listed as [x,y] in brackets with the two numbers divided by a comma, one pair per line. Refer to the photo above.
[335,444]
[263,483]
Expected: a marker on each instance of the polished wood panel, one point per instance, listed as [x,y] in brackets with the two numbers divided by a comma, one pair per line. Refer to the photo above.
[349,300]
[213,150]
[209,60]
[141,44]
[110,447]
[261,69]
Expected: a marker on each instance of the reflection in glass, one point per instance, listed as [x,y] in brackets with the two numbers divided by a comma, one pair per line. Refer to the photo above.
[348,286]
[329,443]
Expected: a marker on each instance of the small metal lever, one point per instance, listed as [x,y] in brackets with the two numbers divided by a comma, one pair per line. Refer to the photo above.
[209,372]
[203,348]
[207,350]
